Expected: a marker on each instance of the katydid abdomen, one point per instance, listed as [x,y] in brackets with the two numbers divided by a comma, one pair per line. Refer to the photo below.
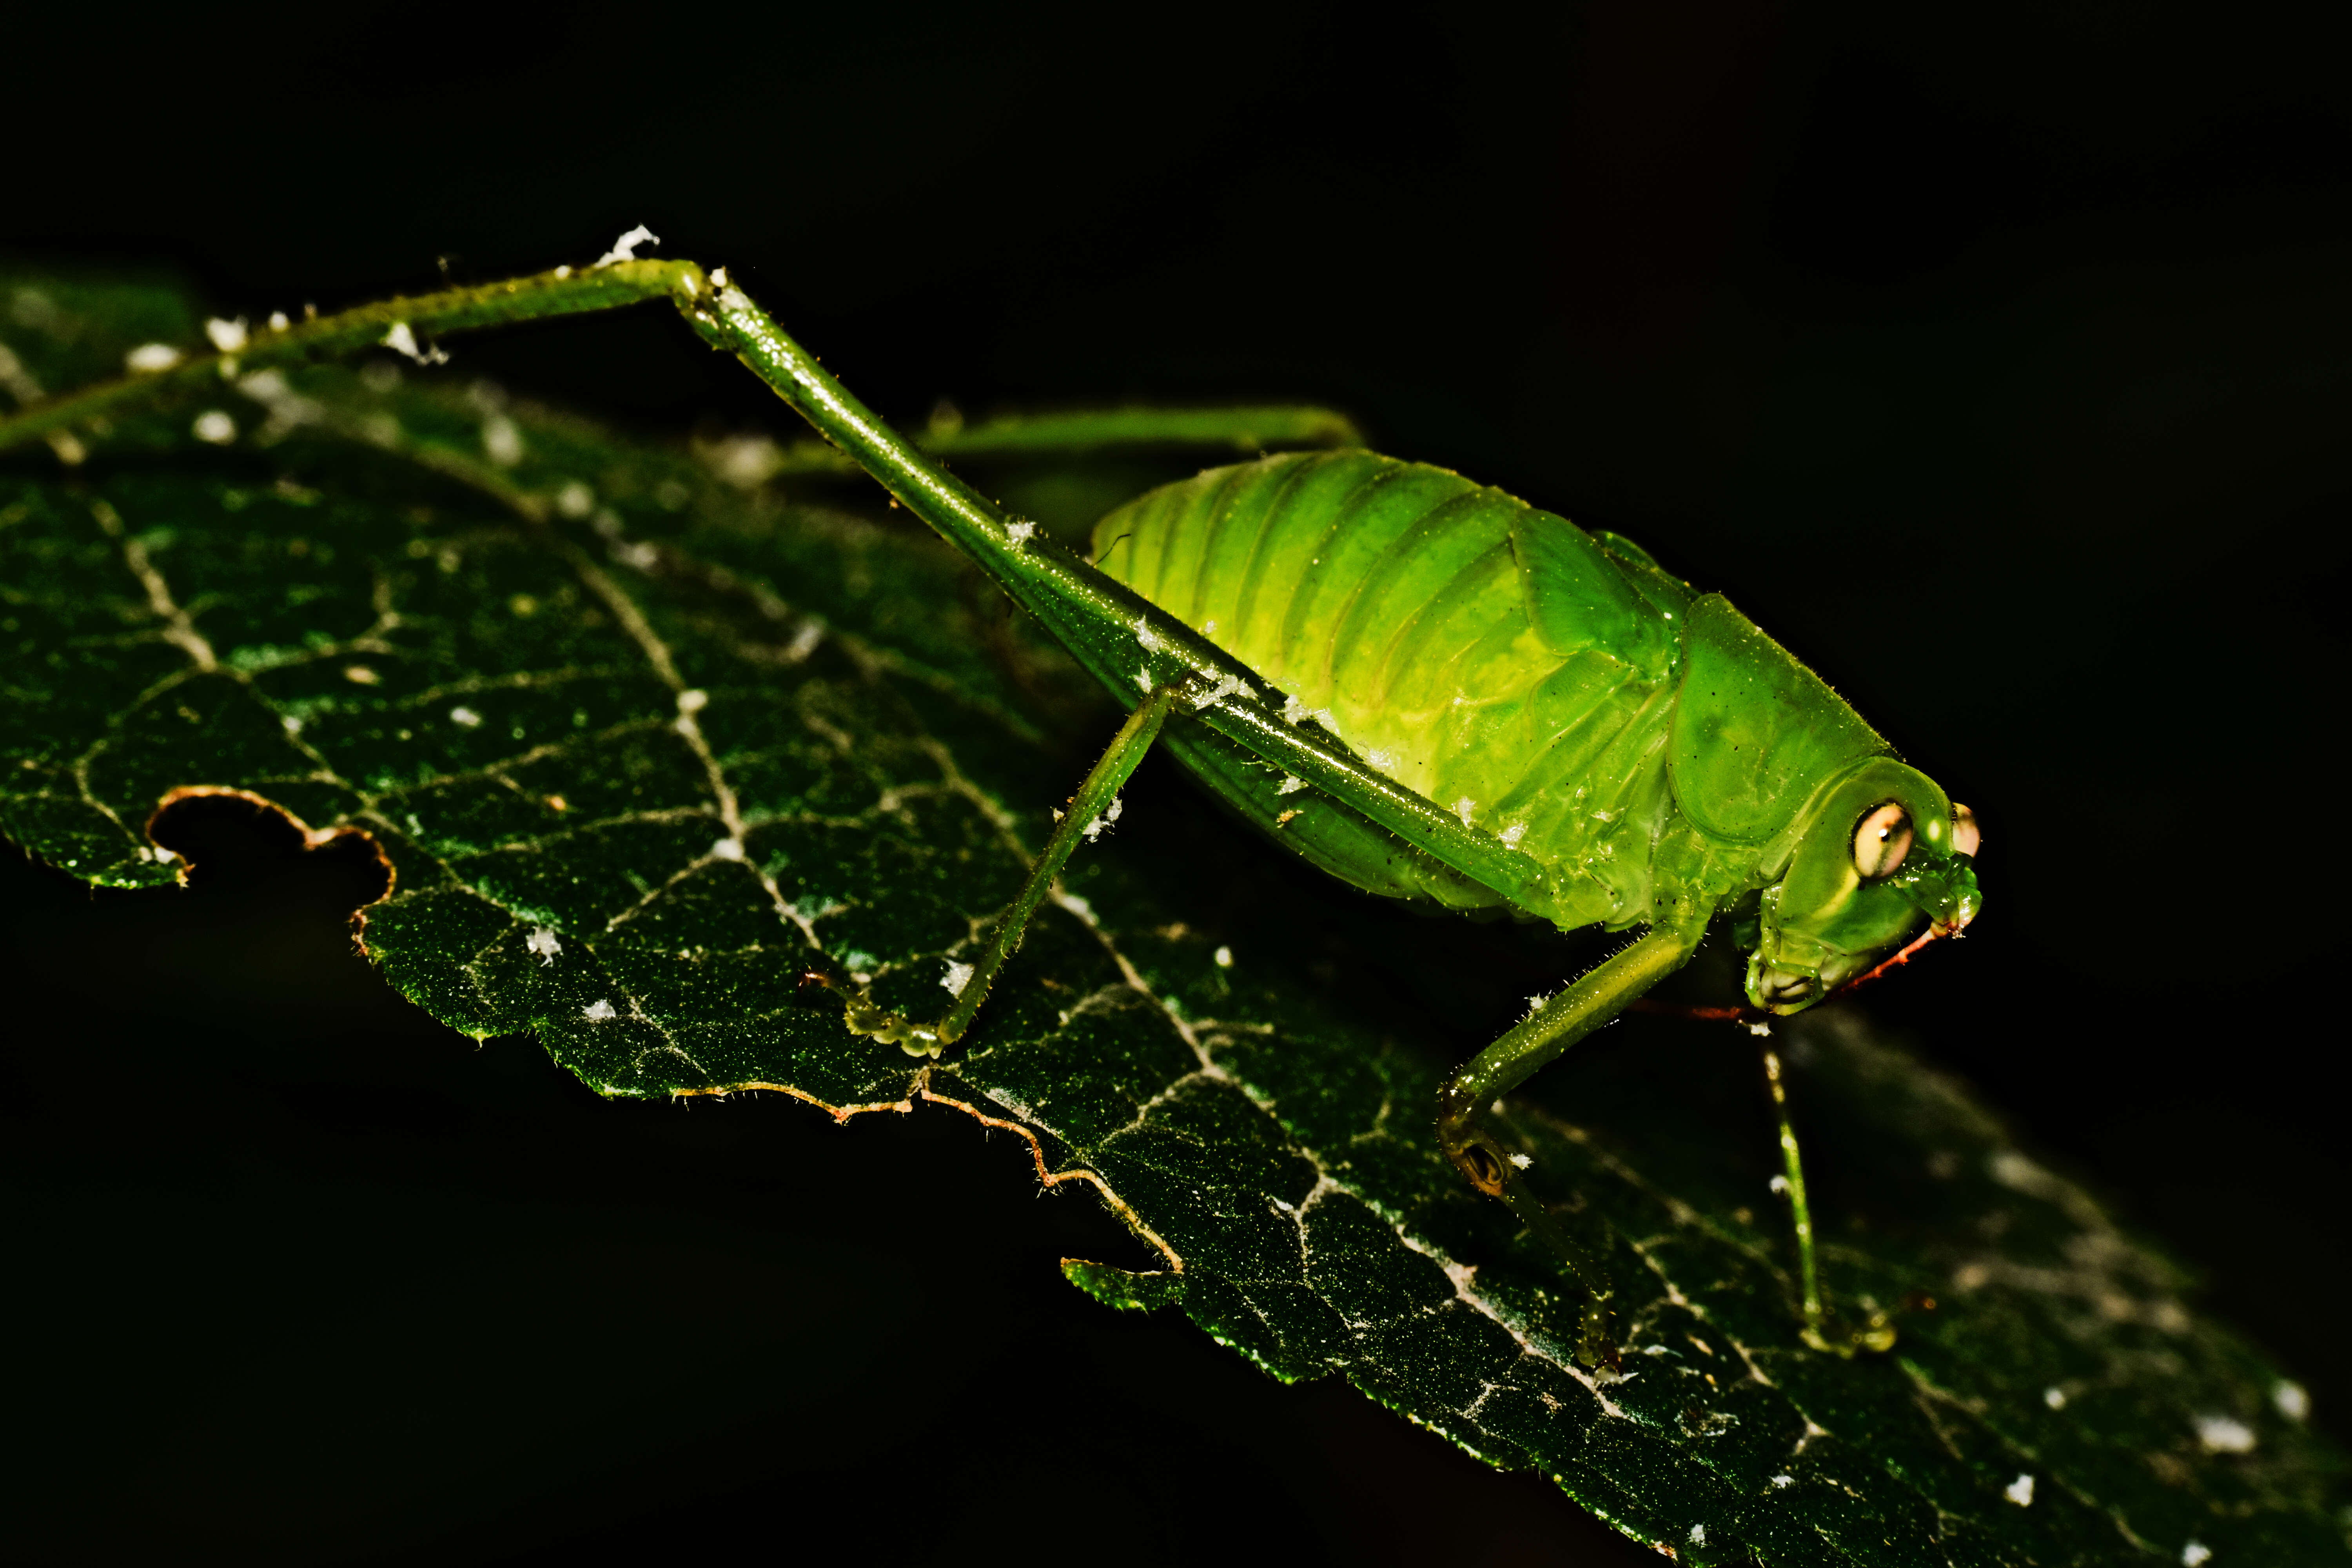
[1485,654]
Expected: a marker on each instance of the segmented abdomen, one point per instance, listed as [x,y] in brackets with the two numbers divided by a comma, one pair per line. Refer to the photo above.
[1490,656]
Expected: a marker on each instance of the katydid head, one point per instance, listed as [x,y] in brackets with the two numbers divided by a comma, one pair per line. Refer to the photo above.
[1879,846]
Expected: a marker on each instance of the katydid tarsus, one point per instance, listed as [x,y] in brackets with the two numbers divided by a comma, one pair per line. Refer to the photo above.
[1422,685]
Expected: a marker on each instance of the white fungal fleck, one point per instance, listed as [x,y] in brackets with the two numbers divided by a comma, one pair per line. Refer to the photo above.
[562,272]
[575,500]
[1150,640]
[464,718]
[228,337]
[543,941]
[403,341]
[1293,710]
[1076,906]
[2195,1554]
[693,700]
[502,440]
[1698,1535]
[1143,681]
[727,849]
[361,675]
[804,640]
[2054,1397]
[1020,533]
[718,278]
[1463,809]
[290,723]
[1383,759]
[1522,1161]
[2019,1491]
[278,321]
[1761,1026]
[213,426]
[2294,1401]
[1779,1183]
[1514,832]
[1094,829]
[958,976]
[1291,783]
[148,359]
[598,1011]
[2222,1435]
[1208,629]
[1225,957]
[1778,1482]
[625,247]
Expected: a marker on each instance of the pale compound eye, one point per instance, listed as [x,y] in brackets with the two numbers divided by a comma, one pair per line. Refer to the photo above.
[1965,835]
[1882,841]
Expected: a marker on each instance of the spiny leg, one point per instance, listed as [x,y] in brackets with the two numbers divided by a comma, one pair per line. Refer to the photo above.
[1539,1038]
[1822,1332]
[1095,802]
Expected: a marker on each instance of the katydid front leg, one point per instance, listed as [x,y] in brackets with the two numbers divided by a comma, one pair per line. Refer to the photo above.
[1604,992]
[1094,804]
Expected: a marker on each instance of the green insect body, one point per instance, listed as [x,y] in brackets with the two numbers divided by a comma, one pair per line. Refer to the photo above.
[1647,746]
[1481,706]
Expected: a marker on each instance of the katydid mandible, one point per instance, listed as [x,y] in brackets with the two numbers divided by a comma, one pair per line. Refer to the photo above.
[1422,685]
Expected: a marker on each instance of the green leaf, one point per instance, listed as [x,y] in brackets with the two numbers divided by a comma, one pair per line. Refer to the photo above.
[644,751]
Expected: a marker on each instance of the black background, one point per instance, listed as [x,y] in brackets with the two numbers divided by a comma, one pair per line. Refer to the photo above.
[1997,361]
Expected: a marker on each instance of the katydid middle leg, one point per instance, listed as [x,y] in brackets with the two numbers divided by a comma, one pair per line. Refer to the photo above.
[1588,1003]
[1095,803]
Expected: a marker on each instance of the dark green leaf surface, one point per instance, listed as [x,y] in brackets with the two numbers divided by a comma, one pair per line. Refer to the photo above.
[641,750]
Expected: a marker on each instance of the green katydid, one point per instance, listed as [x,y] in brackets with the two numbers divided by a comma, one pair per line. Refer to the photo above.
[1422,685]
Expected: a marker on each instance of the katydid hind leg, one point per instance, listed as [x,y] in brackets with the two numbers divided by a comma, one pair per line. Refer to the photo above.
[1094,804]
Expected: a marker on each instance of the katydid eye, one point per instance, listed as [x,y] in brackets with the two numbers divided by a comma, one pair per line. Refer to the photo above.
[1966,835]
[1882,841]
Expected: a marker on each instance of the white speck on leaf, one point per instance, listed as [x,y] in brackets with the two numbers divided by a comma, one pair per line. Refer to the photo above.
[1698,1535]
[290,723]
[598,1011]
[1225,957]
[727,849]
[278,321]
[2294,1401]
[2223,1435]
[1076,906]
[1514,832]
[958,976]
[575,500]
[1761,1026]
[1020,533]
[148,359]
[361,675]
[502,440]
[1779,1183]
[1778,1482]
[693,700]
[1143,681]
[1291,785]
[1150,640]
[1384,759]
[2054,1397]
[214,426]
[543,941]
[403,341]
[1522,1161]
[1464,807]
[2195,1554]
[228,337]
[2019,1491]
[625,247]
[464,718]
